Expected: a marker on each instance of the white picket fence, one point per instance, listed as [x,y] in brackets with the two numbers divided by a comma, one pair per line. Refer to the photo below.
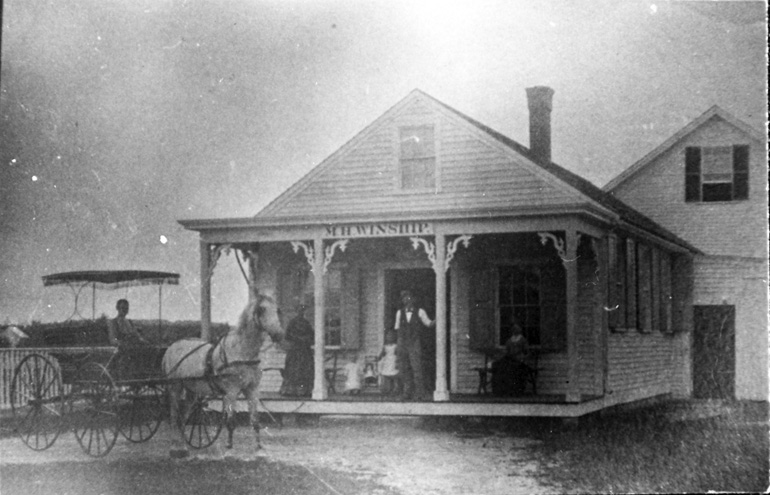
[10,359]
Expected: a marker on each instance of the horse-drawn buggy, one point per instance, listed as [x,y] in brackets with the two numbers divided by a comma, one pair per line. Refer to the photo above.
[102,391]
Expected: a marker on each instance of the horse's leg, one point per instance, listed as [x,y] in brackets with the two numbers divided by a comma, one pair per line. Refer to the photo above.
[230,417]
[252,397]
[175,391]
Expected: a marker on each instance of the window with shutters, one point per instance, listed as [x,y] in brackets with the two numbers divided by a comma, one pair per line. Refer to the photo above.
[531,295]
[417,157]
[340,301]
[519,302]
[716,173]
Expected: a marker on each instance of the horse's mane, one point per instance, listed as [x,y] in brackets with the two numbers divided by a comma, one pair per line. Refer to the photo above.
[248,316]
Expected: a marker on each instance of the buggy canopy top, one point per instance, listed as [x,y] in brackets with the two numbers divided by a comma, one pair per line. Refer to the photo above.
[112,279]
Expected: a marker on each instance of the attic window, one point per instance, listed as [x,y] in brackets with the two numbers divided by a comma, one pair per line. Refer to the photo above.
[716,173]
[417,159]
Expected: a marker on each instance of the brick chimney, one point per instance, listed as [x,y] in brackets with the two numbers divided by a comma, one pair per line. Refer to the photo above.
[540,100]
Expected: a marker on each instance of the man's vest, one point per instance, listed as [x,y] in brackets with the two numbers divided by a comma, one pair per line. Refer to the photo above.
[410,331]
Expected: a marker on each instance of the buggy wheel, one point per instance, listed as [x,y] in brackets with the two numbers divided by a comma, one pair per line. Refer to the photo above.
[37,401]
[200,424]
[94,405]
[141,411]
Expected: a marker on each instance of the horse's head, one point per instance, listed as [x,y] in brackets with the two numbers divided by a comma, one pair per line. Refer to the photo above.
[266,314]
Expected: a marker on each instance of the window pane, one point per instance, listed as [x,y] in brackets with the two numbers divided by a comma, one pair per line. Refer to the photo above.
[417,142]
[717,160]
[718,192]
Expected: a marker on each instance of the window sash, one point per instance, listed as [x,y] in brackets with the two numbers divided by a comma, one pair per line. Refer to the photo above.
[716,173]
[417,157]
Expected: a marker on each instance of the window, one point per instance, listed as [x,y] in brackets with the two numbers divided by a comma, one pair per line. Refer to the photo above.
[716,173]
[519,302]
[533,295]
[340,301]
[417,157]
[640,287]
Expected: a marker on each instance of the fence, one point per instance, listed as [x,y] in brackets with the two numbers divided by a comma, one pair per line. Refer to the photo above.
[10,359]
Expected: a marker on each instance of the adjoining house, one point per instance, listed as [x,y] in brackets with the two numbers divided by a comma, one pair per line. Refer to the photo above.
[708,185]
[485,232]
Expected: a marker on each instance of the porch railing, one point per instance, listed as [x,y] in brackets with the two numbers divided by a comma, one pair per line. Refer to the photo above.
[10,359]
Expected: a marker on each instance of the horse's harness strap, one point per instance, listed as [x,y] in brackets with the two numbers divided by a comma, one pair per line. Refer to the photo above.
[179,363]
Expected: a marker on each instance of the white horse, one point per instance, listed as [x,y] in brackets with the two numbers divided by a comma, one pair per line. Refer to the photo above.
[226,368]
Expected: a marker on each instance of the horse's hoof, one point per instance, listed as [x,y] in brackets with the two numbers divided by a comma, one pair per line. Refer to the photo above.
[178,453]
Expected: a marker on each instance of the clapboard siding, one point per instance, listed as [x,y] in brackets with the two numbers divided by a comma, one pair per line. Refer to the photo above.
[741,283]
[589,380]
[642,361]
[735,228]
[472,173]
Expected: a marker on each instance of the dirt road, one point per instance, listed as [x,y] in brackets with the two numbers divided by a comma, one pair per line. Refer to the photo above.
[398,453]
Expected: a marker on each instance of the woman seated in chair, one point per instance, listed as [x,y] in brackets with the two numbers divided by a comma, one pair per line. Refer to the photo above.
[509,373]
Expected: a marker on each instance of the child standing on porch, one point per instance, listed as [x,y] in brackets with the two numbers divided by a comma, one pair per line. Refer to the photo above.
[353,378]
[387,365]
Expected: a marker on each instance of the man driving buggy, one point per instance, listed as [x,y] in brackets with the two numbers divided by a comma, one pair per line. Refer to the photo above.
[121,330]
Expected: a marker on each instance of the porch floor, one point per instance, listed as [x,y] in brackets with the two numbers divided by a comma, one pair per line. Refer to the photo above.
[457,405]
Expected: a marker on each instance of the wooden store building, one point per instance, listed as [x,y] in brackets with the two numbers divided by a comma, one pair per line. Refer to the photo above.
[484,232]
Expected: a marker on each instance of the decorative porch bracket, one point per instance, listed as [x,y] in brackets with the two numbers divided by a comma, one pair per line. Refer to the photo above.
[558,244]
[430,250]
[309,252]
[215,252]
[451,248]
[329,251]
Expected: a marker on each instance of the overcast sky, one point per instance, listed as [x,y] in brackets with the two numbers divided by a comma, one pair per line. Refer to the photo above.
[121,117]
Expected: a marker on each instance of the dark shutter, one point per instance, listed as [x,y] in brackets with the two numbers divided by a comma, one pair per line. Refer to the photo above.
[612,284]
[740,172]
[631,284]
[351,331]
[553,306]
[644,294]
[692,190]
[483,325]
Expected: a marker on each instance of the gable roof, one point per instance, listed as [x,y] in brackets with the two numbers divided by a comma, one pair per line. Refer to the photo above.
[595,198]
[713,112]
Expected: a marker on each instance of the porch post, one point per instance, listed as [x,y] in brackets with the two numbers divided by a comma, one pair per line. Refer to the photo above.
[205,253]
[570,268]
[601,248]
[439,267]
[319,387]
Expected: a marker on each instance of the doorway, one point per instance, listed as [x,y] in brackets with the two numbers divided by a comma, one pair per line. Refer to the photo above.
[421,282]
[714,352]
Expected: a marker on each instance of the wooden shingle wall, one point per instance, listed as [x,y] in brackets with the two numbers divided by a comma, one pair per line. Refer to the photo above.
[642,362]
[473,173]
[741,283]
[733,228]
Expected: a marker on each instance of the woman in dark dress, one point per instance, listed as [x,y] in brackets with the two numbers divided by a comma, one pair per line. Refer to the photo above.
[509,372]
[298,368]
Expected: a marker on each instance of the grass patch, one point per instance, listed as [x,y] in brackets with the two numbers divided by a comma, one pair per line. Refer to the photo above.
[650,451]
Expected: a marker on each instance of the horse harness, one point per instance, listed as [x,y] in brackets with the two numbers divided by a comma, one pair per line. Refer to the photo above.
[210,373]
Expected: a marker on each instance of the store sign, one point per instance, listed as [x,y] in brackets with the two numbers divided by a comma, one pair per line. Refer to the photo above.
[387,229]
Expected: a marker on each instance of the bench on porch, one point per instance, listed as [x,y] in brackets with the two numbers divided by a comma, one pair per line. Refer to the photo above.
[485,372]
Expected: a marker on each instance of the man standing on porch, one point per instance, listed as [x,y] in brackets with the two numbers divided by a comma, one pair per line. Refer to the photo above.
[411,321]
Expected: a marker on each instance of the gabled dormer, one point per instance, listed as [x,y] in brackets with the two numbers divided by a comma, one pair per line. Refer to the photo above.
[707,183]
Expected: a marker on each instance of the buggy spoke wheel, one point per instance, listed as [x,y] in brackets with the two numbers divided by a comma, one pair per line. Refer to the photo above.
[94,403]
[201,425]
[141,411]
[37,401]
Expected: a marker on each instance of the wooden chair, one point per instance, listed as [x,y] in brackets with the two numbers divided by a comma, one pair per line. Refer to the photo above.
[485,372]
[331,373]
